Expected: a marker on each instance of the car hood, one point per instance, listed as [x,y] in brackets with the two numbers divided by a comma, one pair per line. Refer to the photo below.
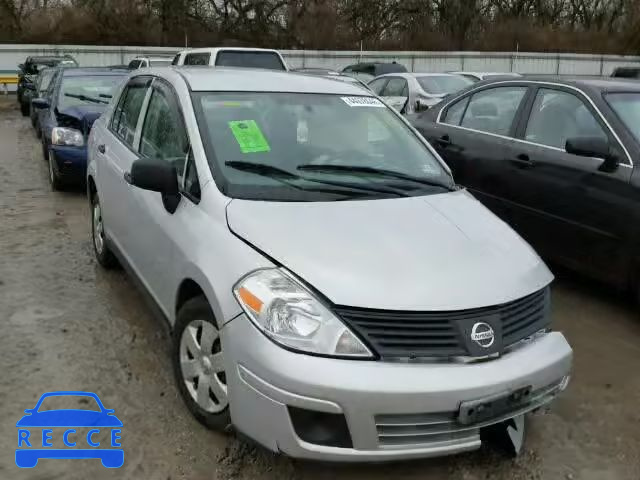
[439,252]
[69,418]
[81,118]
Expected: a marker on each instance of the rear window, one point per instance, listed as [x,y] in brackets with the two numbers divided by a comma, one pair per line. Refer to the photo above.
[159,63]
[248,59]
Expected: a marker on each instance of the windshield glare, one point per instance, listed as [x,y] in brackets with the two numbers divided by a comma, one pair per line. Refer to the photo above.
[89,90]
[443,84]
[627,106]
[288,130]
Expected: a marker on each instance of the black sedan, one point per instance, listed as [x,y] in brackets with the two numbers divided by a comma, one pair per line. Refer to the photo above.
[556,159]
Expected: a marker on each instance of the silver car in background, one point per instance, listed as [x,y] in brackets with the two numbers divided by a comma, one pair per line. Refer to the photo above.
[413,92]
[333,295]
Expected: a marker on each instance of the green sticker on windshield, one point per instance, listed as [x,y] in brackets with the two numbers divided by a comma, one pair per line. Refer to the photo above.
[249,136]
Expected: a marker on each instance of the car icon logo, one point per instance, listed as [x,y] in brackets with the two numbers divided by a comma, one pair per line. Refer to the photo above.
[482,333]
[40,427]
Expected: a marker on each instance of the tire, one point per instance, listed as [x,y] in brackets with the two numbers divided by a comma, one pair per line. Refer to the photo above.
[104,255]
[54,178]
[24,109]
[197,348]
[45,149]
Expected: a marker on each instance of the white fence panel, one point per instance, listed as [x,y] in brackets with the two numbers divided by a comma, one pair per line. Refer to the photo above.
[425,61]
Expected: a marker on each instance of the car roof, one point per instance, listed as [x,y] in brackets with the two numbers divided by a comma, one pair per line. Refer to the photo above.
[227,79]
[601,84]
[86,71]
[414,75]
[484,74]
[45,58]
[154,57]
[238,49]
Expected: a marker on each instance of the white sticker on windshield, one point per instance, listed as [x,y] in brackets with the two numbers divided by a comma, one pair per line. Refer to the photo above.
[362,102]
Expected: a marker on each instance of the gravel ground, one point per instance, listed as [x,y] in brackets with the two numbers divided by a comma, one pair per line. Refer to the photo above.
[68,325]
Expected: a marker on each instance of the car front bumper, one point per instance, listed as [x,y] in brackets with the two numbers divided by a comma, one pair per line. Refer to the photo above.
[393,410]
[70,162]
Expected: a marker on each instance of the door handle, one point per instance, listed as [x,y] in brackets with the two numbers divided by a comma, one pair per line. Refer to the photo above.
[102,149]
[444,141]
[523,161]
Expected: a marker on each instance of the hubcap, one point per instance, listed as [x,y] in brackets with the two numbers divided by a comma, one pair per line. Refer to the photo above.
[202,367]
[98,229]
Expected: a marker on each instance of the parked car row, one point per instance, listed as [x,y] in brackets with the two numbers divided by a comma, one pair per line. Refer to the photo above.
[280,207]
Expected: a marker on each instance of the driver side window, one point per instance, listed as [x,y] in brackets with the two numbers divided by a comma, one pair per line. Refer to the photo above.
[164,135]
[557,116]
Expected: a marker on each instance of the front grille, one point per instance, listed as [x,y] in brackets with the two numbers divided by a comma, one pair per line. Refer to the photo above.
[404,430]
[400,334]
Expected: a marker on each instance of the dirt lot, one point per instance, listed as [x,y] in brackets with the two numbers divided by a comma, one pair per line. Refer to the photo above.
[68,325]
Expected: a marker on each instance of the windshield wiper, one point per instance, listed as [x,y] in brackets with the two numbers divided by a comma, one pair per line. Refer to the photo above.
[281,174]
[85,98]
[374,171]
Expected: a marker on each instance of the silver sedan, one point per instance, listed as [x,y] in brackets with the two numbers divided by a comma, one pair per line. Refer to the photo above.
[332,293]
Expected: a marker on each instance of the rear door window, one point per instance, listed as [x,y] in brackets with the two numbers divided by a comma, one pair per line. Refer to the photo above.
[127,112]
[197,59]
[494,110]
[249,59]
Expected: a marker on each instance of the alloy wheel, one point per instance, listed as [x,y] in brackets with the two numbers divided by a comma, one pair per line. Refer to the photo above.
[98,228]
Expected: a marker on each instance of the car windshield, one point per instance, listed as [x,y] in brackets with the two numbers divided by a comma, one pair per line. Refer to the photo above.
[160,63]
[443,84]
[87,90]
[627,106]
[313,147]
[249,59]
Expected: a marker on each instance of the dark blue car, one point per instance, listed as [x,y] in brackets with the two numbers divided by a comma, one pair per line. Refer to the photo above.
[75,100]
[34,445]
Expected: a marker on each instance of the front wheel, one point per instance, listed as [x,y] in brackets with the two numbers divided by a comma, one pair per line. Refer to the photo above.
[54,178]
[104,256]
[198,364]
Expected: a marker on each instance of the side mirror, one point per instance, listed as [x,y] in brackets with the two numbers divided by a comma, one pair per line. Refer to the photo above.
[594,147]
[155,175]
[40,103]
[421,106]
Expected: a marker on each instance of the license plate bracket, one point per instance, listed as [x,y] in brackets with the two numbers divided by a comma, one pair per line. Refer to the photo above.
[493,406]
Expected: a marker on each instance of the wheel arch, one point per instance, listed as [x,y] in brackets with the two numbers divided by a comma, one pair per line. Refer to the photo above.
[194,284]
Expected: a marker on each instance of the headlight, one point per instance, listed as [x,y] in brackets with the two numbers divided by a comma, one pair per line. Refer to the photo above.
[289,314]
[67,136]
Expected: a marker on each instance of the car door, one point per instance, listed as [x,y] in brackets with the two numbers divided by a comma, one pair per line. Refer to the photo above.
[472,133]
[115,153]
[396,92]
[569,208]
[155,228]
